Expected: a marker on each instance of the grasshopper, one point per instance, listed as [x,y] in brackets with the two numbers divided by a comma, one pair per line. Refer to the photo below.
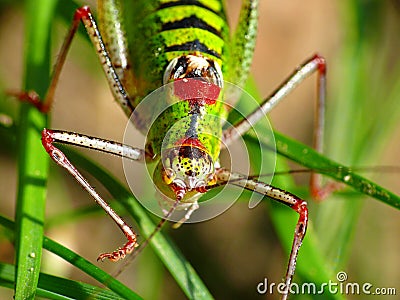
[187,46]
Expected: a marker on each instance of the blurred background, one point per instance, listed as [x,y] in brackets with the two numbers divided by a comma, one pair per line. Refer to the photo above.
[361,43]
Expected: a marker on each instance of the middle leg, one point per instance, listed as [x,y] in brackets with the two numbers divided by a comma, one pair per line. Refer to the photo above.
[315,64]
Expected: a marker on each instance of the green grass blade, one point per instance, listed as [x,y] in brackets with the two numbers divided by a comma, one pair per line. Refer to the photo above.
[90,269]
[362,119]
[81,263]
[52,287]
[33,163]
[313,160]
[313,264]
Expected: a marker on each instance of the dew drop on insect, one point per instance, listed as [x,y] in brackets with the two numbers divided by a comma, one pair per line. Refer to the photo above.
[347,178]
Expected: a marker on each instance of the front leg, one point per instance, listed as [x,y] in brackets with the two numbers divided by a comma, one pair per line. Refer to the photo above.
[52,136]
[294,202]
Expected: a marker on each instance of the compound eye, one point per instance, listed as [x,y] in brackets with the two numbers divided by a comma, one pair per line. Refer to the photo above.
[170,71]
[214,72]
[168,175]
[211,179]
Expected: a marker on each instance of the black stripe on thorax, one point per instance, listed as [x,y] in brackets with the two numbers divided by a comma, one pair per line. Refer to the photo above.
[190,22]
[195,45]
[187,2]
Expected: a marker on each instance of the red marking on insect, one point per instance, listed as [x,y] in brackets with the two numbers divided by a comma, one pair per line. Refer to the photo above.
[301,208]
[193,142]
[195,89]
[82,12]
[202,189]
[178,191]
[47,139]
[321,63]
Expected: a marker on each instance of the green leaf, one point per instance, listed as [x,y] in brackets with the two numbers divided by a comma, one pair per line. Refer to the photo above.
[313,160]
[80,263]
[52,287]
[33,163]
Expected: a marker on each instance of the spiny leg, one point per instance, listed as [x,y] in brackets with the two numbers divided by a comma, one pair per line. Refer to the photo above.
[48,136]
[316,64]
[94,143]
[294,202]
[318,191]
[110,19]
[52,136]
[118,90]
[243,42]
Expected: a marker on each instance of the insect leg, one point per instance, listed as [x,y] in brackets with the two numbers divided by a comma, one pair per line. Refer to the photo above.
[118,90]
[294,202]
[52,136]
[316,64]
[110,19]
[186,217]
[243,42]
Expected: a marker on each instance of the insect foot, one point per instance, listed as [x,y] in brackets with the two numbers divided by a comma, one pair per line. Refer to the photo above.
[120,253]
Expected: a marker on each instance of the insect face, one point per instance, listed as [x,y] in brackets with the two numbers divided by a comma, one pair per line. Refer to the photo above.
[185,172]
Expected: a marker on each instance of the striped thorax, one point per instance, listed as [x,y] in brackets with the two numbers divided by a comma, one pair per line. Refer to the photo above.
[187,166]
[182,44]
